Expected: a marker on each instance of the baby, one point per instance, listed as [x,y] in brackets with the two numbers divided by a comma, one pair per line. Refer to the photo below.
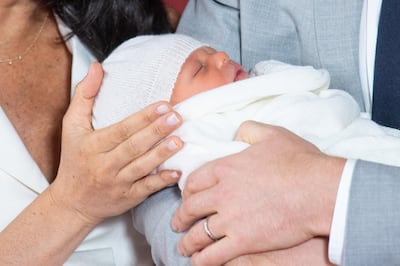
[169,67]
[214,96]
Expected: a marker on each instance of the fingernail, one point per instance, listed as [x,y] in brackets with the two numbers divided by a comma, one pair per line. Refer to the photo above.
[172,120]
[174,227]
[172,145]
[180,251]
[162,109]
[175,174]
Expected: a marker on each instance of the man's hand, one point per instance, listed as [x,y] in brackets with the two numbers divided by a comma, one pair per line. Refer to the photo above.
[314,252]
[278,193]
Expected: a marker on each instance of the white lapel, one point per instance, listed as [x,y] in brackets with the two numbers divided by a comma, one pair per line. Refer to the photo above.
[81,59]
[80,62]
[15,159]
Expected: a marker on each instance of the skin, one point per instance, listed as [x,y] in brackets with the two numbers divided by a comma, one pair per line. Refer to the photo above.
[205,69]
[173,17]
[307,254]
[88,170]
[289,193]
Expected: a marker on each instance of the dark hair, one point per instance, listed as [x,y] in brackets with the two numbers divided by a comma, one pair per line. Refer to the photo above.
[104,24]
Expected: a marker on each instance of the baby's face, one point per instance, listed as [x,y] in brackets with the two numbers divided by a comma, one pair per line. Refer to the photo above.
[205,69]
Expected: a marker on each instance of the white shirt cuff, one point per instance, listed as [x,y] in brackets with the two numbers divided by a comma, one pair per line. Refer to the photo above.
[338,228]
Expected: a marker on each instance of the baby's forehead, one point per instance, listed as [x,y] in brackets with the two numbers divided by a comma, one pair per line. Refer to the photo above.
[199,54]
[204,49]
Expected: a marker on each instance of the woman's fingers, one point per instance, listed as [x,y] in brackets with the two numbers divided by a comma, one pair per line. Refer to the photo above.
[105,172]
[139,143]
[114,135]
[150,160]
[150,184]
[80,110]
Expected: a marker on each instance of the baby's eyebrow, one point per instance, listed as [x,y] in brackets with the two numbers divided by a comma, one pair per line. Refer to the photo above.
[208,49]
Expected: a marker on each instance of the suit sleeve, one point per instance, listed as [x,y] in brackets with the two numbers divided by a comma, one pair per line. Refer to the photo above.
[153,218]
[215,23]
[373,223]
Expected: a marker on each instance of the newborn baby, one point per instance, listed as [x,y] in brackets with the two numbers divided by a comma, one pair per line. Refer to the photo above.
[214,96]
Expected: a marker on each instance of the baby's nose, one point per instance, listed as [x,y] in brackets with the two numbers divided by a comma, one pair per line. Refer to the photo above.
[220,58]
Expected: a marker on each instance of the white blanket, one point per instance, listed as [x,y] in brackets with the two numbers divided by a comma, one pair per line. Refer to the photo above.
[295,97]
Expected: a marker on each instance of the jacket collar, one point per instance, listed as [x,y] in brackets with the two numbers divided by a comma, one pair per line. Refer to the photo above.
[15,160]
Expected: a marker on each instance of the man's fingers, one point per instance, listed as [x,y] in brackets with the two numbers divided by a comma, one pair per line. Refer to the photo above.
[201,179]
[217,253]
[253,132]
[197,206]
[197,238]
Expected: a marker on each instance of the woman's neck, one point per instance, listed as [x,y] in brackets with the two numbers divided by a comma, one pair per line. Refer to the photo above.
[18,18]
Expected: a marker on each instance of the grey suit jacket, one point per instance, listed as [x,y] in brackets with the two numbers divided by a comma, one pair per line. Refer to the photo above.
[320,33]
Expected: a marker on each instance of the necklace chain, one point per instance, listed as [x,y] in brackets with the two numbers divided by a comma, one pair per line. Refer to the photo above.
[20,57]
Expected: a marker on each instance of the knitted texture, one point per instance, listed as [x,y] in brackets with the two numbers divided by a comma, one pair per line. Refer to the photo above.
[141,71]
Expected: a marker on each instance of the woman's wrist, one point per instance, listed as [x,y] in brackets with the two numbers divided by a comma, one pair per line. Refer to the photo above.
[44,228]
[67,203]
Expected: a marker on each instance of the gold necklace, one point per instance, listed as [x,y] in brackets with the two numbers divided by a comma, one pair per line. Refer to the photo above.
[20,57]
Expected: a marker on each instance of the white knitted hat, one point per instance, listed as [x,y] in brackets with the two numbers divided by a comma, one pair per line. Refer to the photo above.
[141,71]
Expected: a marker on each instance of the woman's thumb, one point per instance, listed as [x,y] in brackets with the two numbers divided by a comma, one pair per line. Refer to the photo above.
[79,113]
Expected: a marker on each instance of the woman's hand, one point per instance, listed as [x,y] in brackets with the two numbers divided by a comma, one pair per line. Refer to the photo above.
[103,173]
[276,194]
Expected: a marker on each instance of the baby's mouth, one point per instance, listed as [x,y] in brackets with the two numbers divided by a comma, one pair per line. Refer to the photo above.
[240,74]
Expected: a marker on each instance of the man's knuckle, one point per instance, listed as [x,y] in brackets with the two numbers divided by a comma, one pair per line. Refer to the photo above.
[190,185]
[187,208]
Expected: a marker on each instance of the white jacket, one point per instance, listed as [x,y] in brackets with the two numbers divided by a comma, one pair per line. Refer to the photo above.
[114,242]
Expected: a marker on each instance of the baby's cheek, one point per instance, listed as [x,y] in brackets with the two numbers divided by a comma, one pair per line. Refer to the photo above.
[180,93]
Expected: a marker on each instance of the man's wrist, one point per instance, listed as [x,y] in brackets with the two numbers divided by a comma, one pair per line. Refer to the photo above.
[328,185]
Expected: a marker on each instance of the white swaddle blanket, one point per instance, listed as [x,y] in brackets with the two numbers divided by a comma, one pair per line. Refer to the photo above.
[294,97]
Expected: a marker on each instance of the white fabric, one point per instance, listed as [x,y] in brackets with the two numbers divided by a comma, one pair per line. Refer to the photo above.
[113,242]
[338,227]
[367,45]
[139,72]
[295,97]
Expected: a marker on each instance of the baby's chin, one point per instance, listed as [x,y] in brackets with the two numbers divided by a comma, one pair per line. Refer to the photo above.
[238,72]
[240,75]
